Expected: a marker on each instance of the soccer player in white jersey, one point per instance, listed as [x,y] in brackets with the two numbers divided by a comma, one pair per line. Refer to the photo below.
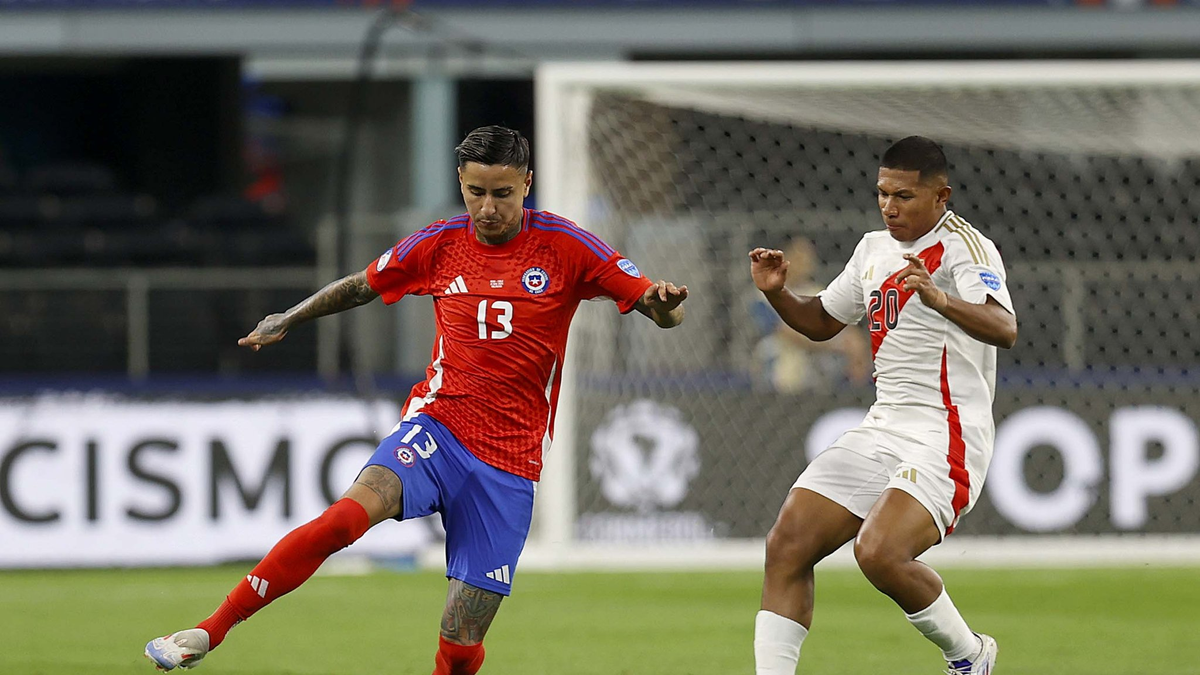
[898,483]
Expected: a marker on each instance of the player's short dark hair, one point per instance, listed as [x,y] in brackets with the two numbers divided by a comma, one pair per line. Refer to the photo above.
[916,153]
[494,145]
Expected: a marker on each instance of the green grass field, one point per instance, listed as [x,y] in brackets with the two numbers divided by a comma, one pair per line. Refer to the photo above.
[1098,622]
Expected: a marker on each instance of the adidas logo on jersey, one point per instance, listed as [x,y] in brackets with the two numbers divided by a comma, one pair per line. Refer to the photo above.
[456,286]
[499,574]
[259,585]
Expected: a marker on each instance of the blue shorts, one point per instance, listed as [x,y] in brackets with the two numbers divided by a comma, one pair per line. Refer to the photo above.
[486,511]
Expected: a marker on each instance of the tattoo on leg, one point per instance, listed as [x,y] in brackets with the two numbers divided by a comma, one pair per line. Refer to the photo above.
[384,483]
[469,613]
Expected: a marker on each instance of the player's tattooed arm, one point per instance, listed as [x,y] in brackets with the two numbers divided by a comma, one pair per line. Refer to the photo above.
[469,613]
[345,293]
[662,303]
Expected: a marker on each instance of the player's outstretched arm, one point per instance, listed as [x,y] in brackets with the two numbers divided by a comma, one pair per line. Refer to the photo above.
[989,322]
[803,313]
[345,293]
[662,303]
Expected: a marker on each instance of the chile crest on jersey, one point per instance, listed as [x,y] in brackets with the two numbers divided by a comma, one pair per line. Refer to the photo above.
[405,455]
[535,280]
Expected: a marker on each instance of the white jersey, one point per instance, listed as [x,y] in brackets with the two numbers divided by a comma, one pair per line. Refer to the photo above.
[921,357]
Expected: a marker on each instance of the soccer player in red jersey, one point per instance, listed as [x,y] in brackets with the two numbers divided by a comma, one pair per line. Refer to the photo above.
[506,281]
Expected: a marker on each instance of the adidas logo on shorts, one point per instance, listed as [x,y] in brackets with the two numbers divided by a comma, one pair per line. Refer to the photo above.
[500,574]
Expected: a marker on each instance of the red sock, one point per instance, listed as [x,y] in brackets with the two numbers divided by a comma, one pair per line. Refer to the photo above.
[455,659]
[290,563]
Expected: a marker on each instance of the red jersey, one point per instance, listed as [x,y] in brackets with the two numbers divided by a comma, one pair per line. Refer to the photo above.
[502,316]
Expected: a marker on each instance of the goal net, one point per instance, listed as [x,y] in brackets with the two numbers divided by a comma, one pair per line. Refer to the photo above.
[1082,173]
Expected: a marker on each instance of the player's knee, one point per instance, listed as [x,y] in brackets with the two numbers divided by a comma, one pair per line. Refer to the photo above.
[456,659]
[779,544]
[877,559]
[789,548]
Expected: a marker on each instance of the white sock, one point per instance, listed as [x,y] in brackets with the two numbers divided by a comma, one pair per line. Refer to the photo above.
[945,627]
[777,641]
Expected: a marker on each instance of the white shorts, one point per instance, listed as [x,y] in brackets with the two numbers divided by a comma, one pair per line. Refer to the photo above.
[940,461]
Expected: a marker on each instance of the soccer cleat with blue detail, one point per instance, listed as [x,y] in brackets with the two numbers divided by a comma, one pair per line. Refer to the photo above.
[982,664]
[184,649]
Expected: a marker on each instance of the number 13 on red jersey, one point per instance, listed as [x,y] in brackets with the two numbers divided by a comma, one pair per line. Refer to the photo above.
[501,311]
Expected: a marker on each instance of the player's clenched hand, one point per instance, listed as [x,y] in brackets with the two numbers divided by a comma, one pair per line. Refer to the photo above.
[664,296]
[768,269]
[268,331]
[916,277]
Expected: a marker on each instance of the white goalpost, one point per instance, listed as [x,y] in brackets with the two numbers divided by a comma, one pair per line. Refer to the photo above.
[675,449]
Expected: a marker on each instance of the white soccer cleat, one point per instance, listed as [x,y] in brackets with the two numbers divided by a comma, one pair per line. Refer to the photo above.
[982,664]
[184,649]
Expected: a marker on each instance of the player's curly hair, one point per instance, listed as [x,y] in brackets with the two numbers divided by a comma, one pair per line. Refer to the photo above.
[494,145]
[917,153]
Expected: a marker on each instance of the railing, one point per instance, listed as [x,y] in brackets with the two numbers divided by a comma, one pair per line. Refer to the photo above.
[1059,324]
[137,284]
[370,235]
[1077,282]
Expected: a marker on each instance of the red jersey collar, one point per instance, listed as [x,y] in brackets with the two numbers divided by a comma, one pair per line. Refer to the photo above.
[506,247]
